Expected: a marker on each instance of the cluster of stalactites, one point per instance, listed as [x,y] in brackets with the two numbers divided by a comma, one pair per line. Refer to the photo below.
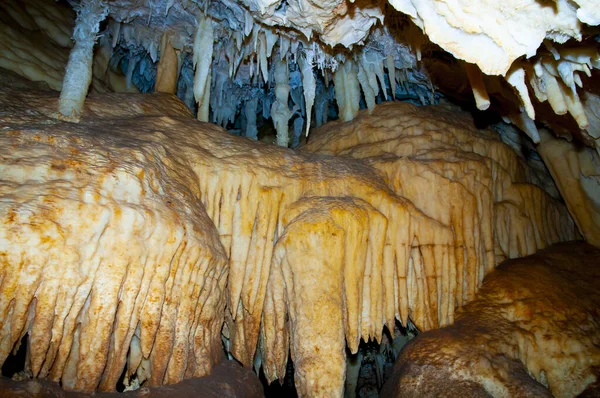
[552,76]
[237,68]
[241,74]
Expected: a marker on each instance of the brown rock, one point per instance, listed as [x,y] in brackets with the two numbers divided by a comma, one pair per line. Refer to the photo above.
[534,323]
[228,380]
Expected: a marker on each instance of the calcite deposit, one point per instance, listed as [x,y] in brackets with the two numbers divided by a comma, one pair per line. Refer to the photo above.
[526,60]
[139,242]
[106,261]
[532,331]
[35,41]
[576,169]
[126,234]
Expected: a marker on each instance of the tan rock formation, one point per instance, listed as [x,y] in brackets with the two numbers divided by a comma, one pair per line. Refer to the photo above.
[35,39]
[458,175]
[106,261]
[505,30]
[576,170]
[168,68]
[319,247]
[531,332]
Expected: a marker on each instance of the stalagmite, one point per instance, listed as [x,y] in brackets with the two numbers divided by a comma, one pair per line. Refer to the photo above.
[309,85]
[202,60]
[168,67]
[78,74]
[280,113]
[482,99]
[347,90]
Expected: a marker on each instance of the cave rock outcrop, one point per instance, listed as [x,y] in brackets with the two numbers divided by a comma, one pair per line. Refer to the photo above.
[124,236]
[532,331]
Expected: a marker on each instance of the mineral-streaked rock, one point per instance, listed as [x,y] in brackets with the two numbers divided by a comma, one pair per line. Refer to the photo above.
[459,176]
[535,317]
[576,170]
[129,189]
[106,258]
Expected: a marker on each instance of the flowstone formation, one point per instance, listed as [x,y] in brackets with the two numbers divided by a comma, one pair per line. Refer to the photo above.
[107,263]
[532,331]
[126,234]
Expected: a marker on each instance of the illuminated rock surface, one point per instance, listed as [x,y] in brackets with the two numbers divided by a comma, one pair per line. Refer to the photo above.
[142,240]
[532,331]
[128,226]
[106,260]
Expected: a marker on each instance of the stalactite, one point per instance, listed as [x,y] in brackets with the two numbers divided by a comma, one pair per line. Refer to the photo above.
[202,60]
[203,106]
[373,70]
[78,74]
[250,113]
[391,67]
[308,84]
[516,78]
[262,56]
[367,88]
[482,99]
[102,58]
[347,90]
[298,125]
[280,113]
[131,64]
[168,67]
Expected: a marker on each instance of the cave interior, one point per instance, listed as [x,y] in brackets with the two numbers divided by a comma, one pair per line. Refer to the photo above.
[312,198]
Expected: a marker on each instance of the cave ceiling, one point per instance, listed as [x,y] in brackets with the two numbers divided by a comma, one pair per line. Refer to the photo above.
[532,63]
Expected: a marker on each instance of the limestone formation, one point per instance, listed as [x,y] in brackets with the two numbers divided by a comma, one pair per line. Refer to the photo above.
[316,251]
[530,332]
[576,169]
[35,40]
[138,240]
[107,262]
